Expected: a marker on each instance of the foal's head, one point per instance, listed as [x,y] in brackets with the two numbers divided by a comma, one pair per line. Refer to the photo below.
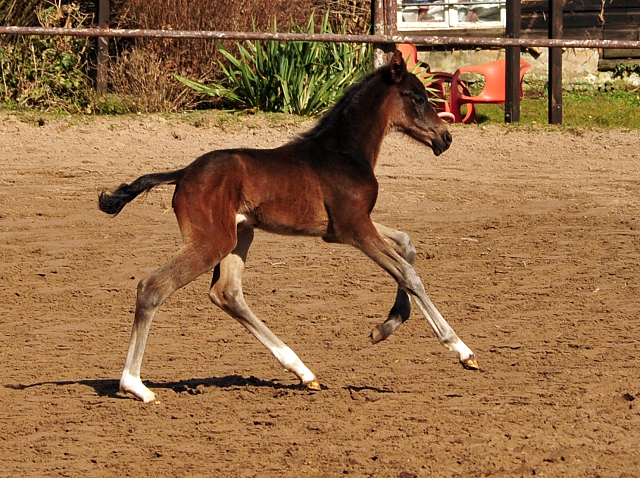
[411,112]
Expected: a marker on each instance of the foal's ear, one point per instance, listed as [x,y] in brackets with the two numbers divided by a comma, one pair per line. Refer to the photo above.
[398,67]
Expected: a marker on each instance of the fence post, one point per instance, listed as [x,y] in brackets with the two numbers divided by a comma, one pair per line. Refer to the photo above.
[377,24]
[384,16]
[555,62]
[103,48]
[512,56]
[391,17]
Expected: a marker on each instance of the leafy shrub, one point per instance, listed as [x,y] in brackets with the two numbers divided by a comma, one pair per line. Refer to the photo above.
[302,78]
[623,70]
[48,72]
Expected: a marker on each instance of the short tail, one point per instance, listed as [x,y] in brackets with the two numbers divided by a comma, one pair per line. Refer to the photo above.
[114,202]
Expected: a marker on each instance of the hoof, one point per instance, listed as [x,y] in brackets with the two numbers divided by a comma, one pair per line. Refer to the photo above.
[313,385]
[470,364]
[135,387]
[144,396]
[384,330]
[376,335]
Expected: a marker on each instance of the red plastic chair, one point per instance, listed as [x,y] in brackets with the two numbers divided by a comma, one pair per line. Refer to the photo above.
[493,92]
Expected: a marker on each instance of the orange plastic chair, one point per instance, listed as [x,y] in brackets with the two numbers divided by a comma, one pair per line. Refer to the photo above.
[436,88]
[493,92]
[410,54]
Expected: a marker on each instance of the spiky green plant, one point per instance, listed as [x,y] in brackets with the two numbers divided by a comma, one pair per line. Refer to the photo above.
[303,78]
[427,78]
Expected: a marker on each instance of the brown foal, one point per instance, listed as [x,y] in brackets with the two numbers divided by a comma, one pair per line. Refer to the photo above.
[321,184]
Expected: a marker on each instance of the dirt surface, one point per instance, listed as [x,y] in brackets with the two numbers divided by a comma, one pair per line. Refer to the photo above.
[527,243]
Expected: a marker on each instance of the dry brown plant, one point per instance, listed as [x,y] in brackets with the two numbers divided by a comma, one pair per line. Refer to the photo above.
[153,84]
[140,79]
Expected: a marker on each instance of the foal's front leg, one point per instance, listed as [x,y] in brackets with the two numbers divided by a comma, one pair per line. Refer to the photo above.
[401,243]
[226,293]
[367,239]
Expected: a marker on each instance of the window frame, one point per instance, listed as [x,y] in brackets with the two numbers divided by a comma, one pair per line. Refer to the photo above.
[450,19]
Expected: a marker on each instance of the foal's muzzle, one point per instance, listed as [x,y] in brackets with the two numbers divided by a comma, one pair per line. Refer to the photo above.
[441,143]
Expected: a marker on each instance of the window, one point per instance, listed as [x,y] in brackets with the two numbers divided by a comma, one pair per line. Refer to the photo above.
[420,15]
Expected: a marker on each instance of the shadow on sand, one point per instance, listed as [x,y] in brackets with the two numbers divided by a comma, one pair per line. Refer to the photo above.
[194,386]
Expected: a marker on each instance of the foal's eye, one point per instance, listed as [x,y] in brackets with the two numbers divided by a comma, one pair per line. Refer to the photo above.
[418,100]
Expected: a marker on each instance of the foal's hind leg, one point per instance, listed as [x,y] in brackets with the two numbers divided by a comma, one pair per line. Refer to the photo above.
[226,293]
[402,244]
[153,290]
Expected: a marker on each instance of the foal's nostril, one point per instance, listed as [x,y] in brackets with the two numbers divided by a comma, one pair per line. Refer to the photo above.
[447,138]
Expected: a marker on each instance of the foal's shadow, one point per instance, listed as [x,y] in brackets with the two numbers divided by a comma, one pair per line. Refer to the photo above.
[194,386]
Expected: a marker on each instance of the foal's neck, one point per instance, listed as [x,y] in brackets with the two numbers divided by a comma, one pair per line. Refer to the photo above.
[370,133]
[355,127]
[366,122]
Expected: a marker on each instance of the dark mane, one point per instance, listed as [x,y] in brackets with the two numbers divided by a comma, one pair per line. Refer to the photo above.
[335,116]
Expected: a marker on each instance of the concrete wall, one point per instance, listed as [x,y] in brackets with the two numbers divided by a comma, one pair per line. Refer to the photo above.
[577,63]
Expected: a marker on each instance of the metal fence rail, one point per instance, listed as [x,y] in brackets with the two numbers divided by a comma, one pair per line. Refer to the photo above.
[306,37]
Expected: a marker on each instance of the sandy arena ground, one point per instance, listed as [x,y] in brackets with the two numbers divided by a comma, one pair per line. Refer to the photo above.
[528,243]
